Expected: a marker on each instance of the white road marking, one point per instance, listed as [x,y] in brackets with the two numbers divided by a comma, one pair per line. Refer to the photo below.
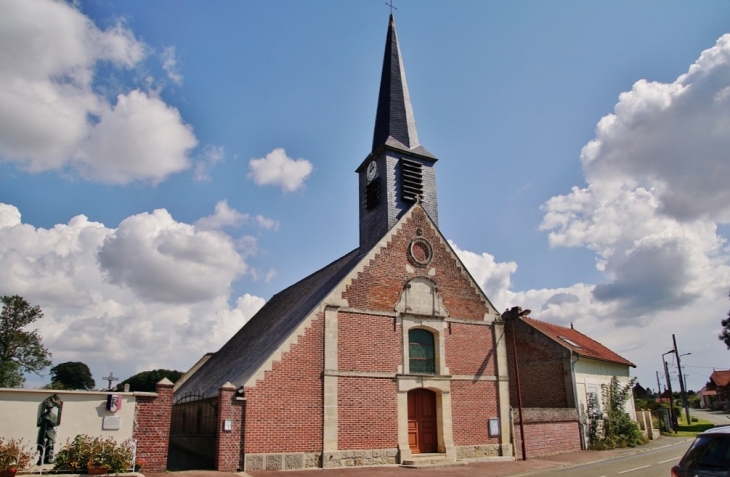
[631,470]
[669,460]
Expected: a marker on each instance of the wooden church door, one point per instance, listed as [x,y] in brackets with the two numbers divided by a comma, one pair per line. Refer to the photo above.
[422,434]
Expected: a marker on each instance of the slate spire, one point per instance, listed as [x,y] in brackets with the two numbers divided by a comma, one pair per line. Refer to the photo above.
[394,118]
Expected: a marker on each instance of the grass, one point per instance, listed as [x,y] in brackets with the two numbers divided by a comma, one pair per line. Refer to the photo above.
[692,429]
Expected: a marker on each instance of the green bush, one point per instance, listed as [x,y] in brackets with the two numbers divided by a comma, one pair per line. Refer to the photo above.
[613,428]
[86,451]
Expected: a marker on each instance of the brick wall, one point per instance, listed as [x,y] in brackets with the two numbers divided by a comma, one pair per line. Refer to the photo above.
[228,443]
[379,285]
[368,343]
[470,350]
[367,413]
[152,428]
[541,365]
[284,411]
[547,432]
[472,404]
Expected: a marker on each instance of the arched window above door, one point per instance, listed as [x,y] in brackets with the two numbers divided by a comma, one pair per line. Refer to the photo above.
[421,351]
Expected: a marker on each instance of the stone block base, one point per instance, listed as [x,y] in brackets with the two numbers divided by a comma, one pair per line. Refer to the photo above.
[355,458]
[481,453]
[288,461]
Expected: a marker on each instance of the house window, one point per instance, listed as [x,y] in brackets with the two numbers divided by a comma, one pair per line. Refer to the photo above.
[421,351]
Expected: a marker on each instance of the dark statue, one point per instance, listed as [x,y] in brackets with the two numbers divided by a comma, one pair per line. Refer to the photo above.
[48,420]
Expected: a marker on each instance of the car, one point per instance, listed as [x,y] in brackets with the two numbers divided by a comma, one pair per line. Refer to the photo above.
[708,456]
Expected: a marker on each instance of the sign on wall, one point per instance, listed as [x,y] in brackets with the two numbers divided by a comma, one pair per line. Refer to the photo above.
[113,402]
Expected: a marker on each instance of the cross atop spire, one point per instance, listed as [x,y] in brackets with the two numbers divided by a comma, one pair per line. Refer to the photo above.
[395,124]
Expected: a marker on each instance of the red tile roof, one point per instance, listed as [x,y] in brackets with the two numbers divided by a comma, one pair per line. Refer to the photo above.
[721,378]
[577,342]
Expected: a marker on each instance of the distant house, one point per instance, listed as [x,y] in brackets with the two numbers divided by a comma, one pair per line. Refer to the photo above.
[720,383]
[561,367]
[640,392]
[708,397]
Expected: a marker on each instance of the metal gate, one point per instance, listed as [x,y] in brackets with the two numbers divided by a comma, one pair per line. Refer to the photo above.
[193,433]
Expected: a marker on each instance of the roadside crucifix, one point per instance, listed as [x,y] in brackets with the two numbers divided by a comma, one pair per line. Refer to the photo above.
[111,379]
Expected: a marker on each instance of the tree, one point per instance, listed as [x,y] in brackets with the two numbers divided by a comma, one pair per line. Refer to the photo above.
[146,381]
[725,335]
[71,375]
[20,351]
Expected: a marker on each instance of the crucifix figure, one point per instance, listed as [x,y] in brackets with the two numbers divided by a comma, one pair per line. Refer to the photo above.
[110,378]
[391,6]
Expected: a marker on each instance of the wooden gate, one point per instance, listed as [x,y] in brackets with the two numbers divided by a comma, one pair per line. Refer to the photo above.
[193,430]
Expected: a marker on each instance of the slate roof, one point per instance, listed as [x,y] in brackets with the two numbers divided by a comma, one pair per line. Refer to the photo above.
[395,124]
[720,378]
[581,344]
[262,335]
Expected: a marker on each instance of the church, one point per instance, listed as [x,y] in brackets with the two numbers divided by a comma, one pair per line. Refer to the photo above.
[391,354]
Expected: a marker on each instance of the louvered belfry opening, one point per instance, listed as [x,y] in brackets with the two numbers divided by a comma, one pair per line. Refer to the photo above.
[372,194]
[411,180]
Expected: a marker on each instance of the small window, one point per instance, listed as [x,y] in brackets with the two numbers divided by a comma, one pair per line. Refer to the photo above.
[421,352]
[570,342]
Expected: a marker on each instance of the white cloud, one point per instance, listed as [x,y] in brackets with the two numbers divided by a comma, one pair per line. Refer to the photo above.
[212,155]
[656,175]
[141,138]
[225,216]
[672,137]
[169,64]
[280,170]
[151,293]
[52,118]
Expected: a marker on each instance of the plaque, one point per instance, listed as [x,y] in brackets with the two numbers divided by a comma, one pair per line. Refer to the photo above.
[111,423]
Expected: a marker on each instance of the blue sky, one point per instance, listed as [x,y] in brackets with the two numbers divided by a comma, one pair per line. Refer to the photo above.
[166,167]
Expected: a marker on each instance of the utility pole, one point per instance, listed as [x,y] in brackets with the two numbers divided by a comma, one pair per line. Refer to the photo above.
[513,315]
[658,386]
[671,397]
[681,382]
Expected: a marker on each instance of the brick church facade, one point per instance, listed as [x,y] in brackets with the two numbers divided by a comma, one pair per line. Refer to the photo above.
[390,354]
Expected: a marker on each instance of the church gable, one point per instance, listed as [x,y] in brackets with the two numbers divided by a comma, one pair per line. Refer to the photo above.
[414,270]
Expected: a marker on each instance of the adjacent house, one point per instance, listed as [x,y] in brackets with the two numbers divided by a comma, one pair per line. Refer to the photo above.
[561,367]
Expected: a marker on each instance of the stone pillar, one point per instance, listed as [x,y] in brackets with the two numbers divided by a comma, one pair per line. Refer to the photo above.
[500,348]
[331,421]
[152,416]
[229,434]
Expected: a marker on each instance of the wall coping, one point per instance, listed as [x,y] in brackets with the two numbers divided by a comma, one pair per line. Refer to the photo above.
[88,393]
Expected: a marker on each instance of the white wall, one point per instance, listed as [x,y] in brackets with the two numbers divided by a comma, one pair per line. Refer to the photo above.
[83,413]
[591,374]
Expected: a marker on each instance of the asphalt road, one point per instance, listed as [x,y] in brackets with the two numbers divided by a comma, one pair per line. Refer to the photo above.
[718,418]
[656,463]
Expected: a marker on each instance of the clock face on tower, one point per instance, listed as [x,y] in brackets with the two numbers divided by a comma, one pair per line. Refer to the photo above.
[372,171]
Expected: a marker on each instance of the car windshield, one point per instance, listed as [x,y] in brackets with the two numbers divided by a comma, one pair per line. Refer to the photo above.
[708,452]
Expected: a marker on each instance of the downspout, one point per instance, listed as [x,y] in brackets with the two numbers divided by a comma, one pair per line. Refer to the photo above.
[583,443]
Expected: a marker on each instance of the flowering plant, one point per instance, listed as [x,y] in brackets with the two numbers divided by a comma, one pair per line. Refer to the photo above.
[14,455]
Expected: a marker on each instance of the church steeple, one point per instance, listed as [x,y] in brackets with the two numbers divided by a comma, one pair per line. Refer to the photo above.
[398,171]
[394,118]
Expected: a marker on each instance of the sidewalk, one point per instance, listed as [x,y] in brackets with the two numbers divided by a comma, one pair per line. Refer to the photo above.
[474,469]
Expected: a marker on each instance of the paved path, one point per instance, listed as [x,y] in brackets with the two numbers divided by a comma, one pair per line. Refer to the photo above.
[478,469]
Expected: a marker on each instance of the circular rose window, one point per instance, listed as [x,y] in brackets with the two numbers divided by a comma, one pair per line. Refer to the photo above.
[420,251]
